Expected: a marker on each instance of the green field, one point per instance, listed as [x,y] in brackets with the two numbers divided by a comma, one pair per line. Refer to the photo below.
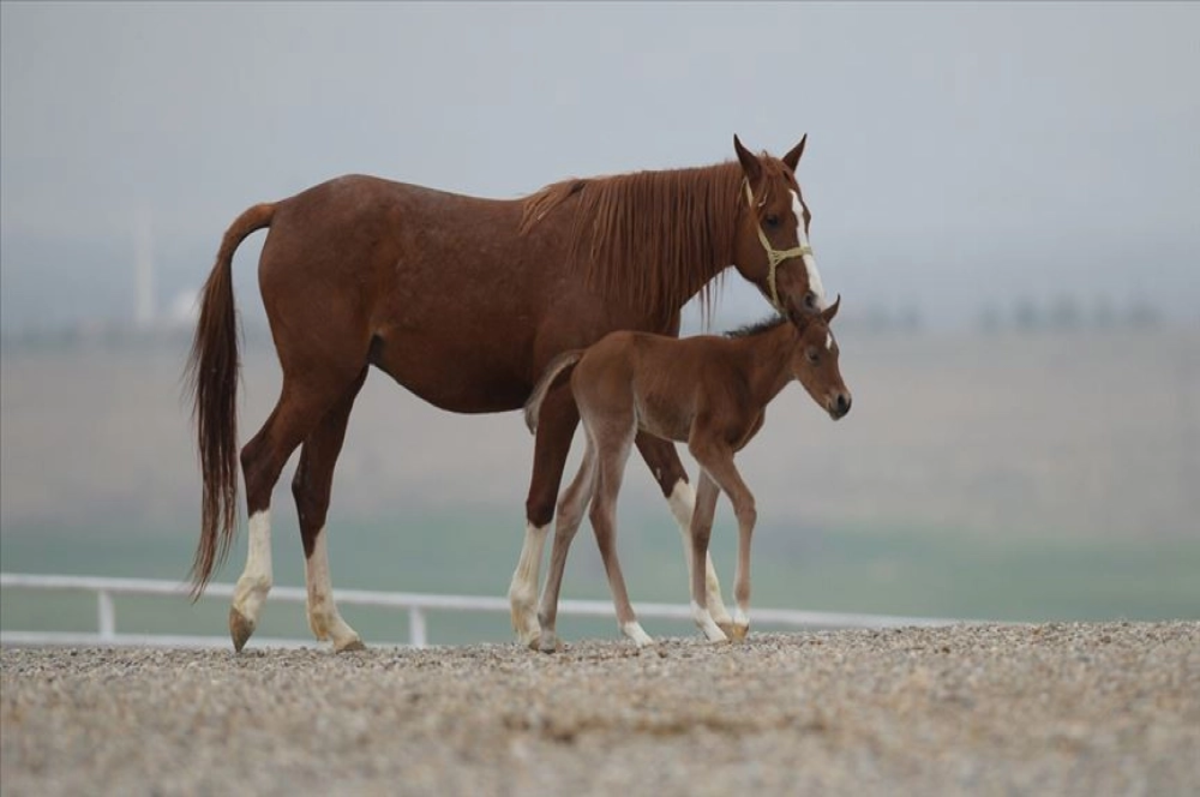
[1011,477]
[895,572]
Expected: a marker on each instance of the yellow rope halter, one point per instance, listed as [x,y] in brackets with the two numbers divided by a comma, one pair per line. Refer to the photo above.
[774,256]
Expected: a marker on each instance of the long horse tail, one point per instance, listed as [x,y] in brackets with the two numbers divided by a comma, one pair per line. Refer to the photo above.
[558,369]
[212,374]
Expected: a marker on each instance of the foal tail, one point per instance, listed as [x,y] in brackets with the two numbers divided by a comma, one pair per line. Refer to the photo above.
[212,374]
[558,369]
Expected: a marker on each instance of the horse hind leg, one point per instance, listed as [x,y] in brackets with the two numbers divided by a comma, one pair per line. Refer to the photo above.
[299,409]
[260,470]
[663,460]
[311,488]
[559,418]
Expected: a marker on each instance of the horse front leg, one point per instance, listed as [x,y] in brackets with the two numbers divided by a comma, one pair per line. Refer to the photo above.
[556,428]
[663,460]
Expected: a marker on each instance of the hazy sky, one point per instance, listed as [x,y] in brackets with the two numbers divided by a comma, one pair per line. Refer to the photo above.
[958,152]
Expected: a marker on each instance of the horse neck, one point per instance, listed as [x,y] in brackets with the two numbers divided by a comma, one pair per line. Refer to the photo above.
[766,360]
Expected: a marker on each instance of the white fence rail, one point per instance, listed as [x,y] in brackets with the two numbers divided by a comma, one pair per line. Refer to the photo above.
[415,604]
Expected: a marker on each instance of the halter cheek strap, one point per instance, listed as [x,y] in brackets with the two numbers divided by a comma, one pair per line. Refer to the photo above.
[774,256]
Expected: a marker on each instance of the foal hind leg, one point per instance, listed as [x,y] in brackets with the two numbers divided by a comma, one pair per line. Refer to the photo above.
[571,507]
[311,489]
[300,407]
[663,460]
[613,450]
[556,427]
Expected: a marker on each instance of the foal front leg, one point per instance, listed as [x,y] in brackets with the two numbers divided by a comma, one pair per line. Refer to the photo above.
[700,534]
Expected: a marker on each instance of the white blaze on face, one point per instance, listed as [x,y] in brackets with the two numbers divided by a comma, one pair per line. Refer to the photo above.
[829,341]
[810,265]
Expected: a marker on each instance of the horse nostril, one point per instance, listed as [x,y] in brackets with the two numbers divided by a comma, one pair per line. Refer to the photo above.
[810,300]
[843,403]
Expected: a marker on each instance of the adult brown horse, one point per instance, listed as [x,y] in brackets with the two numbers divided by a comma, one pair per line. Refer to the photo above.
[464,301]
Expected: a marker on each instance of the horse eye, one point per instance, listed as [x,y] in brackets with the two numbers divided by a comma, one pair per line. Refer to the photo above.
[812,357]
[772,220]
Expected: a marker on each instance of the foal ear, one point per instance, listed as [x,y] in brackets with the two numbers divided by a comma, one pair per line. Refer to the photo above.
[829,312]
[750,165]
[792,159]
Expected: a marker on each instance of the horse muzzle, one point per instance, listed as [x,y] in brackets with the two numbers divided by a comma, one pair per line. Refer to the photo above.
[838,405]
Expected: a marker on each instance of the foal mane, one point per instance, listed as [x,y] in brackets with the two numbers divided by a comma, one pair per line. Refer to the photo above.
[650,238]
[757,327]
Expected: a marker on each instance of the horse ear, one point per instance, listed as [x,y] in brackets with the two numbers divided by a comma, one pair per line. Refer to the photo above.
[829,312]
[792,159]
[750,165]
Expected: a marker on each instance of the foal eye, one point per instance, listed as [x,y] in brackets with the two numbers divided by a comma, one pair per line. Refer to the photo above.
[772,220]
[812,357]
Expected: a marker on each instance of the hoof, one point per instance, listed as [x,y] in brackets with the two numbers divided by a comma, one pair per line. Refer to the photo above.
[240,629]
[531,639]
[353,645]
[727,627]
[737,633]
[548,643]
[530,633]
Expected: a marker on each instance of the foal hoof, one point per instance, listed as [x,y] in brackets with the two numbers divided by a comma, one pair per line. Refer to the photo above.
[548,643]
[240,629]
[349,647]
[528,630]
[737,633]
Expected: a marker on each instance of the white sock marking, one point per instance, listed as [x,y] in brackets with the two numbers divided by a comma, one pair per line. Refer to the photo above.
[323,616]
[522,592]
[810,265]
[255,581]
[683,503]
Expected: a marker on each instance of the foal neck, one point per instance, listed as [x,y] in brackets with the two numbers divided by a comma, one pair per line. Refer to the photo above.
[766,357]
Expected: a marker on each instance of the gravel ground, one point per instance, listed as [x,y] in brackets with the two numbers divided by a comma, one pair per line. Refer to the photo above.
[1091,709]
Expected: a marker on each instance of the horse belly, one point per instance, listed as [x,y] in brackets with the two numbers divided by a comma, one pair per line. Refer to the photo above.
[452,378]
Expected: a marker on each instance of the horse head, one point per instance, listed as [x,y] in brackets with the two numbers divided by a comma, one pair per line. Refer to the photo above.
[771,248]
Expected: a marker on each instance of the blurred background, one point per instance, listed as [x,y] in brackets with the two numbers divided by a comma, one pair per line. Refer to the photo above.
[1006,196]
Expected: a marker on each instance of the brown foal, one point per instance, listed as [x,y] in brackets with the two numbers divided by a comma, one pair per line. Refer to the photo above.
[708,391]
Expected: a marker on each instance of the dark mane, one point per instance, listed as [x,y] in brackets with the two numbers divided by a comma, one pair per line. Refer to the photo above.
[651,238]
[756,328]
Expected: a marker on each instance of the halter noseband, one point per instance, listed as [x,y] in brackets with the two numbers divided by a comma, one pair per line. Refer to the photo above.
[774,256]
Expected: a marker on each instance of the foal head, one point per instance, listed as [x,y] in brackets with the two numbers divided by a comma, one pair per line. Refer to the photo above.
[815,362]
[771,247]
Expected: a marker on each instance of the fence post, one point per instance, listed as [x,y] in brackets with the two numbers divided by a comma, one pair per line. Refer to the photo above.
[106,618]
[416,627]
